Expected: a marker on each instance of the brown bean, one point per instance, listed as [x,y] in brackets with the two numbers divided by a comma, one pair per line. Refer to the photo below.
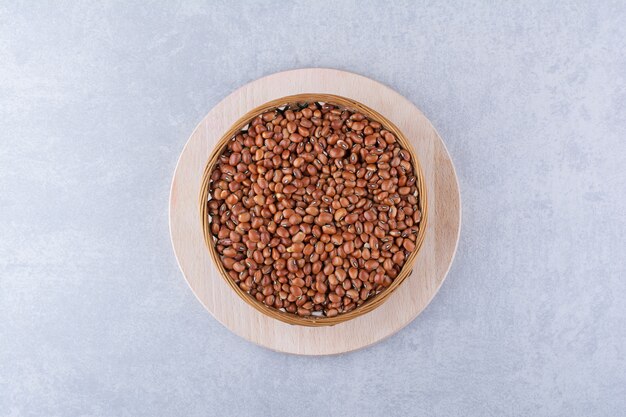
[298,282]
[319,298]
[228,262]
[298,162]
[340,214]
[321,287]
[371,264]
[387,185]
[351,218]
[298,237]
[295,291]
[353,272]
[408,245]
[398,258]
[295,219]
[336,153]
[312,210]
[336,239]
[324,218]
[340,274]
[303,311]
[357,126]
[348,247]
[352,293]
[254,236]
[369,215]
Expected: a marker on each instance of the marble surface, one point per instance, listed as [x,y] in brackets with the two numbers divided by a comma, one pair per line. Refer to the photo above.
[97,101]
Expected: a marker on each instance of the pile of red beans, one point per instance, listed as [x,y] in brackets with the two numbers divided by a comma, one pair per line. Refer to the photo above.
[314,210]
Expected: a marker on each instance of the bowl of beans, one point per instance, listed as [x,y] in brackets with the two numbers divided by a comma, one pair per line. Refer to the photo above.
[313,208]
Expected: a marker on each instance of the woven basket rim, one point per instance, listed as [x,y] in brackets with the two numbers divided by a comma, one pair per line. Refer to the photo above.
[297,100]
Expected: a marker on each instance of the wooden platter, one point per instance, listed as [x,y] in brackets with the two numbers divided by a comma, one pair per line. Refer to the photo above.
[413,295]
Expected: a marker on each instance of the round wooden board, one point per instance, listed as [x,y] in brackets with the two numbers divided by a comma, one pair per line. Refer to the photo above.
[431,265]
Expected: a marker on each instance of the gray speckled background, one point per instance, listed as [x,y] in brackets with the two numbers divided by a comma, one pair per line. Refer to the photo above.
[97,101]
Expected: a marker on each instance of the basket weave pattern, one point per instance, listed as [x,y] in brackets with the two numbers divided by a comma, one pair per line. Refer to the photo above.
[294,102]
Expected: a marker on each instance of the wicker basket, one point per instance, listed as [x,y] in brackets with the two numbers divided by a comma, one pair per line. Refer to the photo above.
[294,101]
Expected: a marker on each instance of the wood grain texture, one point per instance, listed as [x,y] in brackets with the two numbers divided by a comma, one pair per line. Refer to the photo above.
[432,262]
